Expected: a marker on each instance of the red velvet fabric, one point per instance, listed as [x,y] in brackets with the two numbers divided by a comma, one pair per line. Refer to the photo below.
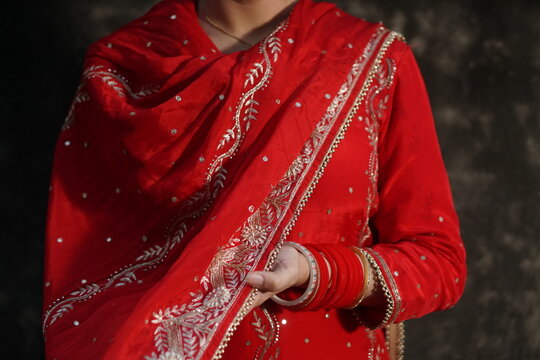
[181,169]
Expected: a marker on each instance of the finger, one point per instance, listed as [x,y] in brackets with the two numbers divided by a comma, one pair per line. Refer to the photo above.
[256,280]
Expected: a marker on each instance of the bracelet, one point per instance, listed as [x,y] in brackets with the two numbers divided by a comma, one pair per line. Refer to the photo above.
[367,277]
[324,278]
[313,284]
[353,276]
[342,274]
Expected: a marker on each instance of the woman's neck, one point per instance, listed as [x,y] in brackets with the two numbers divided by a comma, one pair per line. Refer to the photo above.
[249,20]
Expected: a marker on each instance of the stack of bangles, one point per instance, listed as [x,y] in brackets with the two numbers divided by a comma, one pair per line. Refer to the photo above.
[339,277]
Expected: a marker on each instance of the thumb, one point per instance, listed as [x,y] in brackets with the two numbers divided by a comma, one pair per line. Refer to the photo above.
[256,280]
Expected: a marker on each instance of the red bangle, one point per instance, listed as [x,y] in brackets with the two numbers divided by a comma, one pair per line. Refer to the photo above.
[340,286]
[366,278]
[324,278]
[355,278]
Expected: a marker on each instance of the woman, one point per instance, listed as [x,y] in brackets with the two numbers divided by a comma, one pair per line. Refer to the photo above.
[219,154]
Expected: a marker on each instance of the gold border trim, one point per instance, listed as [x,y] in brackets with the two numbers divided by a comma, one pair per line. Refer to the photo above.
[244,309]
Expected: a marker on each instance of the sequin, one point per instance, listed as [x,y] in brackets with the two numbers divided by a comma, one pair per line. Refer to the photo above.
[251,208]
[174,199]
[76,323]
[418,286]
[327,315]
[297,104]
[423,257]
[84,195]
[248,343]
[396,273]
[201,159]
[173,17]
[60,240]
[328,96]
[148,44]
[278,101]
[67,143]
[109,239]
[306,340]
[441,219]
[47,284]
[146,22]
[221,96]
[290,41]
[117,190]
[436,295]
[351,190]
[329,211]
[144,238]
[349,45]
[457,280]
[109,45]
[203,57]
[349,344]
[178,98]
[185,42]
[83,281]
[265,158]
[284,321]
[133,113]
[174,131]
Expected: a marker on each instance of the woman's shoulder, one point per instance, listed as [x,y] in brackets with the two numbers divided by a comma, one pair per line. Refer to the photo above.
[359,31]
[157,22]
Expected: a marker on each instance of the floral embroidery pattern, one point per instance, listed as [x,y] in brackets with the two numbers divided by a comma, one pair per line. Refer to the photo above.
[376,108]
[112,79]
[184,332]
[267,330]
[199,202]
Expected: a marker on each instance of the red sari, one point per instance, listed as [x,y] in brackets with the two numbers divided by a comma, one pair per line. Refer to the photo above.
[180,170]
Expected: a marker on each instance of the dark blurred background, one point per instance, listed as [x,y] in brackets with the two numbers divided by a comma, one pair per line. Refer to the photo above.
[481,62]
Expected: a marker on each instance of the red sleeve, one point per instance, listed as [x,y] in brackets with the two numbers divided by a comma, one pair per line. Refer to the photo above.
[418,252]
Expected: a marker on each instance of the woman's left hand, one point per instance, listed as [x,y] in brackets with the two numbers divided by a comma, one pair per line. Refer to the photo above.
[291,269]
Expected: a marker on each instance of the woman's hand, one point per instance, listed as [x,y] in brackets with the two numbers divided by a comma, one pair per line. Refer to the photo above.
[290,269]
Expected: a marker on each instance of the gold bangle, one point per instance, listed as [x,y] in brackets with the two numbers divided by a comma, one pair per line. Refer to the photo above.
[367,277]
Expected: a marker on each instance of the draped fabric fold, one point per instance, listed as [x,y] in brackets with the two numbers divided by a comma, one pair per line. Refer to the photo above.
[181,169]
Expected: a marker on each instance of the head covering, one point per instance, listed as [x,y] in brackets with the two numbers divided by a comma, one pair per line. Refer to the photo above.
[181,169]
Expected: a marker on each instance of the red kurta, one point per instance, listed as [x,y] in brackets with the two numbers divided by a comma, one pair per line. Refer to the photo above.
[180,170]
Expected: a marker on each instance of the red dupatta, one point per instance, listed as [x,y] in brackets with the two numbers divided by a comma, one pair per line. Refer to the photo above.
[180,170]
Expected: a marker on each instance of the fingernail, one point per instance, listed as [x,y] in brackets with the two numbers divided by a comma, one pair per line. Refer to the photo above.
[256,280]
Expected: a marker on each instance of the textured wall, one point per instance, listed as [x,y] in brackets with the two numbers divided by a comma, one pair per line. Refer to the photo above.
[481,62]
